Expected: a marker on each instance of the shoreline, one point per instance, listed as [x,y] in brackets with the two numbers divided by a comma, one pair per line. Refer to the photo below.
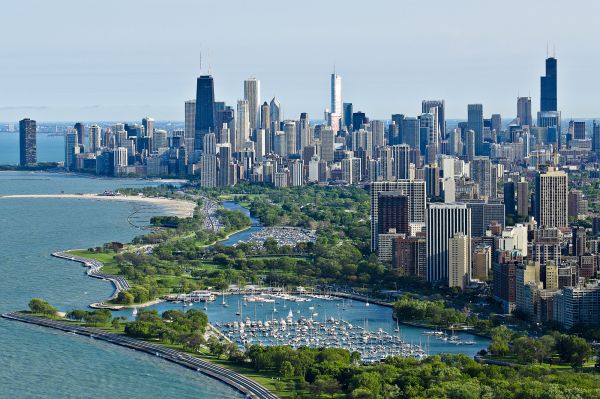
[235,380]
[174,207]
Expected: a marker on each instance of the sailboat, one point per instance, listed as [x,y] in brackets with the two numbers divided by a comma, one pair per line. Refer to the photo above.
[135,312]
[225,304]
[239,310]
[397,329]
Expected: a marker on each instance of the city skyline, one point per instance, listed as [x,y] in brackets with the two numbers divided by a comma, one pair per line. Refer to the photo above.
[154,74]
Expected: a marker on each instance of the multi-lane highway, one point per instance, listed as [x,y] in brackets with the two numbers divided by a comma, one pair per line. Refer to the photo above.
[237,381]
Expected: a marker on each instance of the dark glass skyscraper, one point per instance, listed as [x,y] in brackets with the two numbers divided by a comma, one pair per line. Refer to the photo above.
[347,108]
[27,140]
[475,123]
[548,99]
[80,129]
[205,109]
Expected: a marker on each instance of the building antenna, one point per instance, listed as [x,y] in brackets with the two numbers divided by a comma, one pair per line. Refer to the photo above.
[546,49]
[200,61]
[554,50]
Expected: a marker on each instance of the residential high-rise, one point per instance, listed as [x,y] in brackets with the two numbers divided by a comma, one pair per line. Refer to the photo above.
[358,119]
[71,149]
[497,123]
[524,111]
[551,198]
[275,112]
[410,132]
[481,173]
[459,260]
[443,222]
[28,142]
[523,197]
[401,161]
[208,176]
[304,131]
[347,115]
[336,102]
[242,130]
[189,124]
[577,129]
[80,129]
[413,189]
[205,109]
[427,108]
[327,144]
[377,132]
[393,212]
[291,145]
[252,95]
[509,197]
[148,124]
[548,86]
[596,139]
[265,124]
[94,136]
[475,123]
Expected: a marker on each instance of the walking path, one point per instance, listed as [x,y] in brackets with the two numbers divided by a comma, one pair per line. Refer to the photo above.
[237,381]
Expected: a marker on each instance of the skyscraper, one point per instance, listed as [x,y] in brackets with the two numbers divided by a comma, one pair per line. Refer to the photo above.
[327,144]
[71,149]
[481,173]
[336,101]
[205,109]
[190,123]
[459,260]
[577,129]
[393,212]
[551,198]
[347,115]
[80,129]
[148,124]
[523,197]
[242,130]
[444,221]
[475,123]
[401,161]
[427,108]
[291,145]
[509,197]
[252,95]
[94,135]
[524,111]
[28,142]
[413,189]
[304,131]
[497,123]
[548,86]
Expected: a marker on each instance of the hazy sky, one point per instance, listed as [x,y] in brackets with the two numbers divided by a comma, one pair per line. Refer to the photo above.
[124,59]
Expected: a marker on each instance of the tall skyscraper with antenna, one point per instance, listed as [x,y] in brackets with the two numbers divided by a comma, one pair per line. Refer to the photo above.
[205,108]
[548,85]
[336,101]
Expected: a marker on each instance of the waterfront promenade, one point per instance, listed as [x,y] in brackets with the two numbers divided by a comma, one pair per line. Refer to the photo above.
[237,381]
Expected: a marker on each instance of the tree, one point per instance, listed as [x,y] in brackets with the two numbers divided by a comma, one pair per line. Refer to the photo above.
[125,297]
[40,306]
[500,340]
[287,369]
[573,350]
[325,385]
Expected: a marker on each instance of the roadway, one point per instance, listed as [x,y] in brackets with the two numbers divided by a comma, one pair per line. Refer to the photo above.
[237,381]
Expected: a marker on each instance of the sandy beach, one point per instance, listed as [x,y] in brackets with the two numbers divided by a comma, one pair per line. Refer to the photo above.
[171,207]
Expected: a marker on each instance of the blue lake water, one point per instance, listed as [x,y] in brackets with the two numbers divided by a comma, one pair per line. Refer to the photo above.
[41,363]
[49,148]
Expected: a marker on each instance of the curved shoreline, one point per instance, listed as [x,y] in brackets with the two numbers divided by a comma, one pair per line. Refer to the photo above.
[237,381]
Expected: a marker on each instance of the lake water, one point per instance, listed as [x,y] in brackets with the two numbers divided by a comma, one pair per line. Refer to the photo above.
[41,363]
[49,148]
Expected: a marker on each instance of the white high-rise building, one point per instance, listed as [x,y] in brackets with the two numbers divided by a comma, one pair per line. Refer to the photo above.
[259,146]
[242,130]
[275,112]
[289,128]
[443,222]
[120,161]
[252,95]
[336,102]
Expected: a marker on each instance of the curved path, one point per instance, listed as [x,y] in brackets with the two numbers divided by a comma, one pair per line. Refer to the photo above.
[94,267]
[237,381]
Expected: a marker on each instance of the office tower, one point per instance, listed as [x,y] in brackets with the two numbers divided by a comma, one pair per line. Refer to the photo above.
[224,160]
[275,113]
[393,212]
[351,170]
[551,190]
[336,102]
[386,163]
[296,173]
[483,214]
[455,145]
[475,123]
[190,124]
[252,95]
[259,143]
[439,108]
[497,123]
[279,144]
[577,129]
[481,173]
[289,128]
[427,121]
[205,109]
[348,115]
[459,260]
[80,129]
[524,111]
[304,131]
[401,161]
[94,135]
[327,144]
[470,145]
[548,86]
[208,176]
[509,197]
[523,197]
[358,119]
[160,142]
[120,160]
[596,139]
[148,124]
[410,132]
[443,222]
[71,149]
[225,117]
[377,129]
[431,174]
[242,130]
[28,142]
[265,124]
[578,243]
[413,189]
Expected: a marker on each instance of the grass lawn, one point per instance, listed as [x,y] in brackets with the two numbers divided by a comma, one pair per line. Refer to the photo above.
[107,258]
